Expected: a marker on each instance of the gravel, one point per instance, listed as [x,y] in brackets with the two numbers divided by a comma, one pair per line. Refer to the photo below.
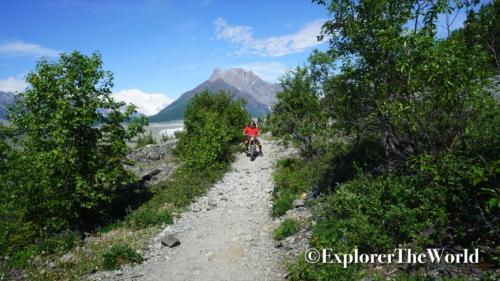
[224,235]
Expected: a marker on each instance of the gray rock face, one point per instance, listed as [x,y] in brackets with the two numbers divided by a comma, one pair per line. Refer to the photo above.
[249,82]
[152,163]
[170,240]
[152,152]
[6,98]
[259,95]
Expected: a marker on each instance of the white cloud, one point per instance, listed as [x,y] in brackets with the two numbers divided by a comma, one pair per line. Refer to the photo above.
[305,38]
[147,103]
[268,71]
[12,84]
[27,49]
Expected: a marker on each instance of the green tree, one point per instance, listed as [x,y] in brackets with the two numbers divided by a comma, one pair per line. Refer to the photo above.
[70,144]
[213,122]
[298,111]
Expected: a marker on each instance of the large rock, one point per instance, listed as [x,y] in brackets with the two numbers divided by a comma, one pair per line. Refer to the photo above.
[152,152]
[151,174]
[170,240]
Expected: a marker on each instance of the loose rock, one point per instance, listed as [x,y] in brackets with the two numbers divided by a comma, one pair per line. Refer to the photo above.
[298,203]
[170,240]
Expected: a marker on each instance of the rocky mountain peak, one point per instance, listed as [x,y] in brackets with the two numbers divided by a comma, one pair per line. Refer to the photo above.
[235,76]
[249,82]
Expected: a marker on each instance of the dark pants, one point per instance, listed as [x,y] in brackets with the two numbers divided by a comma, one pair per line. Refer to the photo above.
[247,141]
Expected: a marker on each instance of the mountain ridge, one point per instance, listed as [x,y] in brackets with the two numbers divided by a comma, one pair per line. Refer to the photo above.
[258,94]
[6,98]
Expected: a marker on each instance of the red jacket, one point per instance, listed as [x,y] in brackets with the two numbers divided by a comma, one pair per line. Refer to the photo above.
[251,131]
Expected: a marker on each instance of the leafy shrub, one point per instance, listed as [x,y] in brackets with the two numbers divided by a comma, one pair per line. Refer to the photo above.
[282,202]
[65,166]
[176,192]
[377,214]
[213,122]
[298,112]
[120,255]
[301,270]
[287,228]
[61,242]
[144,140]
[144,217]
[294,176]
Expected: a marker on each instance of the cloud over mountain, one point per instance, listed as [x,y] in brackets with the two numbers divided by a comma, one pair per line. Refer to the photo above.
[12,84]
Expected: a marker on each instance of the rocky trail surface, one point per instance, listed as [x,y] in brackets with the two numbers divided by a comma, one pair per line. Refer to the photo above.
[224,235]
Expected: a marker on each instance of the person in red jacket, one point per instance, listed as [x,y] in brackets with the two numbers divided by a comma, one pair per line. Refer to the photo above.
[252,131]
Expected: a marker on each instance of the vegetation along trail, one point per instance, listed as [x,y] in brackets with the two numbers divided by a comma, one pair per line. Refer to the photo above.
[225,235]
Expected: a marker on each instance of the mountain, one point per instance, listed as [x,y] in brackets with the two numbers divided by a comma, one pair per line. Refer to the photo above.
[258,94]
[5,99]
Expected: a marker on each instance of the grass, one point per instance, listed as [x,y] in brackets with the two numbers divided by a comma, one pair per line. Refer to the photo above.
[119,255]
[287,228]
[293,177]
[144,140]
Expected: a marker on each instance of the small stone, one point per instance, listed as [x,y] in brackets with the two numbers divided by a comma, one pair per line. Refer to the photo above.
[67,258]
[212,203]
[223,198]
[170,240]
[298,203]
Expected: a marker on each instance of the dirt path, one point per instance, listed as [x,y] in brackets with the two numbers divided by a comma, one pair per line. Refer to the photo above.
[225,235]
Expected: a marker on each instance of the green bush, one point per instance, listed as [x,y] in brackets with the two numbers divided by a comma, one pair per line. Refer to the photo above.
[68,148]
[144,217]
[294,176]
[144,140]
[176,192]
[213,122]
[287,228]
[377,214]
[120,255]
[282,202]
[61,242]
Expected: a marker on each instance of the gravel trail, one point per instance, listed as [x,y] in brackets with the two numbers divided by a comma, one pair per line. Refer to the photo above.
[225,235]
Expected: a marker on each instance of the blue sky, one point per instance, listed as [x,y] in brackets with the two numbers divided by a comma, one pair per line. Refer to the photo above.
[155,46]
[160,48]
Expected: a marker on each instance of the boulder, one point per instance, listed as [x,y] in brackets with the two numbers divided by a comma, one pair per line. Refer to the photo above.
[151,174]
[170,240]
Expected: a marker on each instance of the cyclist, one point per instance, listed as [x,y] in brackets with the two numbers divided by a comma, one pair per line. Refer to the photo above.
[252,131]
